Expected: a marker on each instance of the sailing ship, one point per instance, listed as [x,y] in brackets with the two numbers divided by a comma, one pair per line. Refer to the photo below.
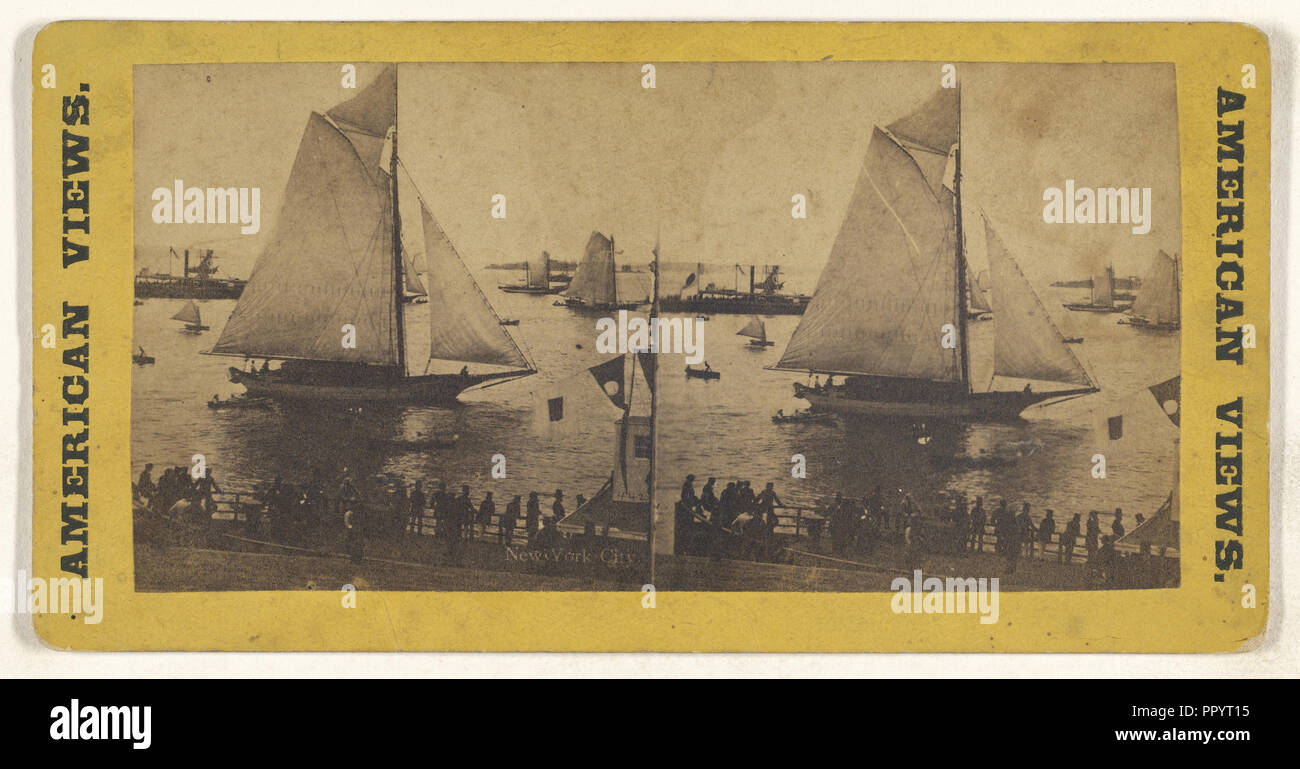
[901,343]
[1158,306]
[189,315]
[535,283]
[757,333]
[595,282]
[1102,298]
[326,296]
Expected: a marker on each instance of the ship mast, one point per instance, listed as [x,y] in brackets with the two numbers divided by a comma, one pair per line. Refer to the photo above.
[961,274]
[398,283]
[654,412]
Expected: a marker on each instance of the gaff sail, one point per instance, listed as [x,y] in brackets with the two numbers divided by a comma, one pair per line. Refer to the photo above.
[900,224]
[330,262]
[594,282]
[1026,344]
[1158,301]
[540,278]
[1103,288]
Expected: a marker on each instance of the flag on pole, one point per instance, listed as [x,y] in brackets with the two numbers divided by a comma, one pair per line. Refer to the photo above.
[1167,396]
[609,376]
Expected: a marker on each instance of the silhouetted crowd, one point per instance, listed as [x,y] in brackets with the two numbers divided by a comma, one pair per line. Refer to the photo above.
[741,524]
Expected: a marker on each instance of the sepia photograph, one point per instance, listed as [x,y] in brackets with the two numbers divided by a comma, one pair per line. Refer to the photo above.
[943,333]
[463,326]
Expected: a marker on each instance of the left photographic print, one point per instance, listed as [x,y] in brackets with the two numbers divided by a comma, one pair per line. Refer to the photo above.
[363,337]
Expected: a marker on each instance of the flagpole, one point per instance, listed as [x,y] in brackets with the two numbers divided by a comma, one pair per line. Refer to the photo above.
[654,407]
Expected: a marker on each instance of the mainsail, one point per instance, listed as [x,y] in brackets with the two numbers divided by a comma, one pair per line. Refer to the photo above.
[330,262]
[754,329]
[890,285]
[464,326]
[189,313]
[1026,344]
[540,278]
[1158,300]
[1103,288]
[594,281]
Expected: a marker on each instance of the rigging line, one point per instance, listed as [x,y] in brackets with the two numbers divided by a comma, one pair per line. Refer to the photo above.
[915,248]
[359,297]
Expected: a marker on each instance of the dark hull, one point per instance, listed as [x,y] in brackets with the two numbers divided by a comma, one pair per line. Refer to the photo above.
[748,304]
[429,389]
[173,287]
[988,406]
[1146,325]
[581,306]
[1095,307]
[531,290]
[699,373]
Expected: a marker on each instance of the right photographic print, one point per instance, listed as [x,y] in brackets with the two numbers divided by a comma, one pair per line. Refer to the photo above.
[941,311]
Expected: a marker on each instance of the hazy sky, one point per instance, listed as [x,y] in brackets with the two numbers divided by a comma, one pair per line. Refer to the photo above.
[709,158]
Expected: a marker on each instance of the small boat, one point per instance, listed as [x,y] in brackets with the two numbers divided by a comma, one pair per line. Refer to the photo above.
[595,283]
[703,373]
[1102,298]
[1158,306]
[757,333]
[1073,340]
[536,284]
[142,358]
[138,302]
[804,416]
[189,315]
[509,321]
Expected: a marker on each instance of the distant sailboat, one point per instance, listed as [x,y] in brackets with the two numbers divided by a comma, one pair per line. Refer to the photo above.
[189,314]
[1102,298]
[595,283]
[535,282]
[756,331]
[1158,305]
[902,342]
[326,295]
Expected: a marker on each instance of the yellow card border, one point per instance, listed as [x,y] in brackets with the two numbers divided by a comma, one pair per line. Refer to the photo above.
[1201,615]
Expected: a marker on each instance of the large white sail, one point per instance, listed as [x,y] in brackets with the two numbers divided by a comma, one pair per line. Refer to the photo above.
[890,285]
[330,263]
[594,280]
[464,327]
[1157,301]
[1027,345]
